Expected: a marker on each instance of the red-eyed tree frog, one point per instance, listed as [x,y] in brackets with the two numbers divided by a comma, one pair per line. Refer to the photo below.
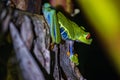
[63,28]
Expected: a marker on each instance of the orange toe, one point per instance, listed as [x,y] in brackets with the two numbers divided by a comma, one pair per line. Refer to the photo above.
[51,46]
[68,53]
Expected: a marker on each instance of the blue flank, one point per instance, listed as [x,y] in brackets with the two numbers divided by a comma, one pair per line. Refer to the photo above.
[61,30]
[63,34]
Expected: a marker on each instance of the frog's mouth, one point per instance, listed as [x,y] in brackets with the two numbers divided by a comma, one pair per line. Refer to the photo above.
[86,38]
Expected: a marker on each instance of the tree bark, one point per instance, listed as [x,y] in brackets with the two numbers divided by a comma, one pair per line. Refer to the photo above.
[33,56]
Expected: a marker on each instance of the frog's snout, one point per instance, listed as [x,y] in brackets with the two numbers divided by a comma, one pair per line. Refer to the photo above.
[88,36]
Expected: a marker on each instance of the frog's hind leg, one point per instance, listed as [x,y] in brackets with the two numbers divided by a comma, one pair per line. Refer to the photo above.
[72,56]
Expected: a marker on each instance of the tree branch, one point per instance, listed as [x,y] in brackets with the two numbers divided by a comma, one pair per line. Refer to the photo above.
[31,41]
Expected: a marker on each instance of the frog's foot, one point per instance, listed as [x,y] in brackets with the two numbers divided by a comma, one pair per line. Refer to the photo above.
[68,53]
[51,46]
[76,55]
[74,59]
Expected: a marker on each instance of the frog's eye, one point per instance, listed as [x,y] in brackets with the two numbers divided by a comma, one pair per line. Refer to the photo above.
[82,28]
[88,36]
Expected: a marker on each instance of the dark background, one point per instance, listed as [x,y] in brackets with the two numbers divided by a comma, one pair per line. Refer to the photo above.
[93,59]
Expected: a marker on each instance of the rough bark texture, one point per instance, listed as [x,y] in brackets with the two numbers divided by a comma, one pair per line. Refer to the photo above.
[32,56]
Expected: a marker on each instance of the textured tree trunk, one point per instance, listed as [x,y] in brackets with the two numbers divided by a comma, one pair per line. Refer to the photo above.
[32,57]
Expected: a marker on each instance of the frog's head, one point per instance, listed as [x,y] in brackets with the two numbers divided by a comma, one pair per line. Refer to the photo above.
[46,5]
[84,36]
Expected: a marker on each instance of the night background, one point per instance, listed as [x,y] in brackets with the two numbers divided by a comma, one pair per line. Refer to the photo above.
[94,62]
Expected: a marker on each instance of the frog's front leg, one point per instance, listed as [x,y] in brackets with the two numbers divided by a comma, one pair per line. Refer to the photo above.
[73,56]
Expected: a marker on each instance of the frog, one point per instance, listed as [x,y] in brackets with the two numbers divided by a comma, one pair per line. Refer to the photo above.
[62,28]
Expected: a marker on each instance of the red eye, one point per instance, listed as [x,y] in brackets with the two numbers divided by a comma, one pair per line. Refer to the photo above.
[88,36]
